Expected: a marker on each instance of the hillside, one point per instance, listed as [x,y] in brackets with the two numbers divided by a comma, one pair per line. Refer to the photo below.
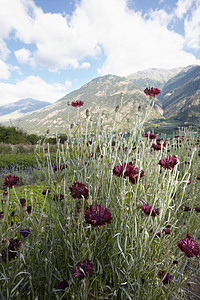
[18,108]
[180,97]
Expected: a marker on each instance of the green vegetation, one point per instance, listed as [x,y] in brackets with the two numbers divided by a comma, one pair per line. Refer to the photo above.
[91,235]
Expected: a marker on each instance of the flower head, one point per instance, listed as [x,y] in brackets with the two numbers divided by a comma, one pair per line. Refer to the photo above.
[131,172]
[189,247]
[97,215]
[10,181]
[77,103]
[84,269]
[166,278]
[63,285]
[157,146]
[151,136]
[59,167]
[152,92]
[79,190]
[169,162]
[147,209]
[25,232]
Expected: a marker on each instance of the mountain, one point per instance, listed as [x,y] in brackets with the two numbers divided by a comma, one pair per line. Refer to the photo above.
[177,103]
[153,77]
[19,108]
[100,94]
[180,97]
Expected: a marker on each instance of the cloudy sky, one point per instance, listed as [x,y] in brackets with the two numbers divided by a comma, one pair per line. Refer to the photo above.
[51,47]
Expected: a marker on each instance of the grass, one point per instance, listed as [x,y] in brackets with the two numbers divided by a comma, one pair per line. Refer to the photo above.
[127,253]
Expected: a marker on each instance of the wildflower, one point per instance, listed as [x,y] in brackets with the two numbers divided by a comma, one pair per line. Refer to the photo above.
[197,209]
[189,247]
[59,167]
[79,190]
[131,171]
[45,191]
[5,242]
[10,181]
[157,146]
[167,230]
[147,209]
[151,136]
[58,197]
[166,278]
[84,269]
[198,178]
[97,215]
[23,203]
[25,232]
[29,209]
[187,208]
[117,108]
[63,285]
[169,162]
[87,112]
[152,92]
[189,181]
[175,262]
[11,252]
[1,216]
[77,103]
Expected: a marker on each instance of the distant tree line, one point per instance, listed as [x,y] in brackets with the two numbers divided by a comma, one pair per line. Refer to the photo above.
[14,135]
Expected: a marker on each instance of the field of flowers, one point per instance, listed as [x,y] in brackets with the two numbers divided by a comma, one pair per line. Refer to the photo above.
[112,218]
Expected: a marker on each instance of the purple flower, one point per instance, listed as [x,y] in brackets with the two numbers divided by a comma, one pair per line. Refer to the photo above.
[169,162]
[131,171]
[198,177]
[118,170]
[166,278]
[23,203]
[25,232]
[10,181]
[167,230]
[84,269]
[157,146]
[146,208]
[79,190]
[11,252]
[29,209]
[189,247]
[97,215]
[187,208]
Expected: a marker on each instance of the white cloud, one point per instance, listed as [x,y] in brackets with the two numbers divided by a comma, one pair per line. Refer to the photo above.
[192,29]
[85,65]
[33,87]
[68,83]
[182,7]
[4,70]
[128,40]
[23,56]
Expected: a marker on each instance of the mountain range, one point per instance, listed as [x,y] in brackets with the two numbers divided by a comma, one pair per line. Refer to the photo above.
[178,102]
[17,109]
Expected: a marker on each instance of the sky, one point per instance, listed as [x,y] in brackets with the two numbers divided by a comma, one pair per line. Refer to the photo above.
[49,48]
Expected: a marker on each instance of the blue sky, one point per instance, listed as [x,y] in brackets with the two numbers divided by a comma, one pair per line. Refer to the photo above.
[49,48]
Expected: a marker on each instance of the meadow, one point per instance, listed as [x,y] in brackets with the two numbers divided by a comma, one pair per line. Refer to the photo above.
[105,217]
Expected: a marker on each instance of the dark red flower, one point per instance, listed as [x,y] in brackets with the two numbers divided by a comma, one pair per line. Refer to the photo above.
[169,162]
[166,278]
[84,269]
[189,247]
[58,197]
[157,146]
[131,171]
[197,209]
[79,190]
[77,103]
[23,203]
[11,252]
[29,209]
[97,215]
[1,215]
[152,92]
[198,178]
[146,208]
[187,208]
[45,191]
[167,230]
[59,167]
[63,285]
[151,136]
[10,181]
[25,232]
